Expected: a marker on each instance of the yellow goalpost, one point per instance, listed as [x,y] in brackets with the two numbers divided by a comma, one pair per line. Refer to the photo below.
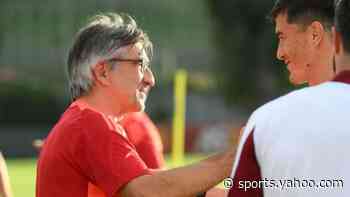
[179,118]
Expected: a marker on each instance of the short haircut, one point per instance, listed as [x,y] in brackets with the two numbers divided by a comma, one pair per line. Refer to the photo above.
[342,22]
[304,12]
[98,40]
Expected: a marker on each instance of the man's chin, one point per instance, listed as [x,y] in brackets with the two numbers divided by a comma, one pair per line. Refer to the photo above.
[296,81]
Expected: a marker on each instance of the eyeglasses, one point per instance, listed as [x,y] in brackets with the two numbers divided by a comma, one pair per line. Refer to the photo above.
[142,62]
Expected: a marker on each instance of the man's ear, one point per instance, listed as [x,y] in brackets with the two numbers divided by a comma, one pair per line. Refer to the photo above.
[336,41]
[101,74]
[317,32]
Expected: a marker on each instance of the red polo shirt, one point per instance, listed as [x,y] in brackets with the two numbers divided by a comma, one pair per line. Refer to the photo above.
[144,135]
[86,147]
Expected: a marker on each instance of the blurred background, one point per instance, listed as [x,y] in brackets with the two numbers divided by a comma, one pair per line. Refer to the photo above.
[227,48]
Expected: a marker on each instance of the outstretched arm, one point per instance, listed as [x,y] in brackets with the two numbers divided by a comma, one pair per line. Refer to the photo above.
[5,188]
[184,181]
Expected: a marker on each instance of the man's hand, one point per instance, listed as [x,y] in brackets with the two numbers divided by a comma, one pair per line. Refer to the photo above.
[38,144]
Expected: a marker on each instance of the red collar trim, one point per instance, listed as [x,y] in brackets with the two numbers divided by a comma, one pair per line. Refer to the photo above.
[343,77]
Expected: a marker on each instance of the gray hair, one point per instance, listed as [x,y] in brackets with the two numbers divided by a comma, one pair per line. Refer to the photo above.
[98,40]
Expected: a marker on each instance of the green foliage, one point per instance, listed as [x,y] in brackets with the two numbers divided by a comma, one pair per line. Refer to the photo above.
[21,102]
[246,41]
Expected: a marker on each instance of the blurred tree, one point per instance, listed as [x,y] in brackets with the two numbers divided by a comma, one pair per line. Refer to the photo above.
[248,70]
[22,103]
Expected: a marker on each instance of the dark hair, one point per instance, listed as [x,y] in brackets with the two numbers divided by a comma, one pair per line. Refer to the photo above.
[99,39]
[342,22]
[304,12]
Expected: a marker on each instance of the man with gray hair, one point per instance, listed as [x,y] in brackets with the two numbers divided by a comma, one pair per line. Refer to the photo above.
[109,76]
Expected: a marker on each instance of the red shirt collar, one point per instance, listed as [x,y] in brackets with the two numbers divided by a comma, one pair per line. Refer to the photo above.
[343,77]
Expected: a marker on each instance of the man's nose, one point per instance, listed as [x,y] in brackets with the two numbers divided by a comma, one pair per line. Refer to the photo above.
[280,52]
[149,77]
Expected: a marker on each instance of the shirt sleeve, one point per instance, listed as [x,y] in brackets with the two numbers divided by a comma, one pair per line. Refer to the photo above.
[246,169]
[110,160]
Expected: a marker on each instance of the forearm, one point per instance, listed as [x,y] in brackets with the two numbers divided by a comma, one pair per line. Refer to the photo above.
[216,192]
[184,181]
[5,189]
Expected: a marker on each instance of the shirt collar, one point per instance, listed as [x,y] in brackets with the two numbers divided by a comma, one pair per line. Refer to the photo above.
[343,77]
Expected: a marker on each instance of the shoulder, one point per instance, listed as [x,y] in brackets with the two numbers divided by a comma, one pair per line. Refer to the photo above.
[294,101]
[293,106]
[285,108]
[92,123]
[77,118]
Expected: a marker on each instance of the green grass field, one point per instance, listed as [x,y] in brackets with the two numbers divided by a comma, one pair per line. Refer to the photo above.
[22,174]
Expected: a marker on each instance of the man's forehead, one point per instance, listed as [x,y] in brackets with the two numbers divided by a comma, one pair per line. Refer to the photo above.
[282,25]
[280,22]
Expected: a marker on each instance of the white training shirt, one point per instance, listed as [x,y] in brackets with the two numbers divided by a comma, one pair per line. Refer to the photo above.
[297,145]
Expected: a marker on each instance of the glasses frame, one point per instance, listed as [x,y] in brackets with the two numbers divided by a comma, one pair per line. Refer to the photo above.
[142,62]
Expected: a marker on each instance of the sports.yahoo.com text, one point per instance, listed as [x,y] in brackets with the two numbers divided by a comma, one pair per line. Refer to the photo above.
[285,184]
